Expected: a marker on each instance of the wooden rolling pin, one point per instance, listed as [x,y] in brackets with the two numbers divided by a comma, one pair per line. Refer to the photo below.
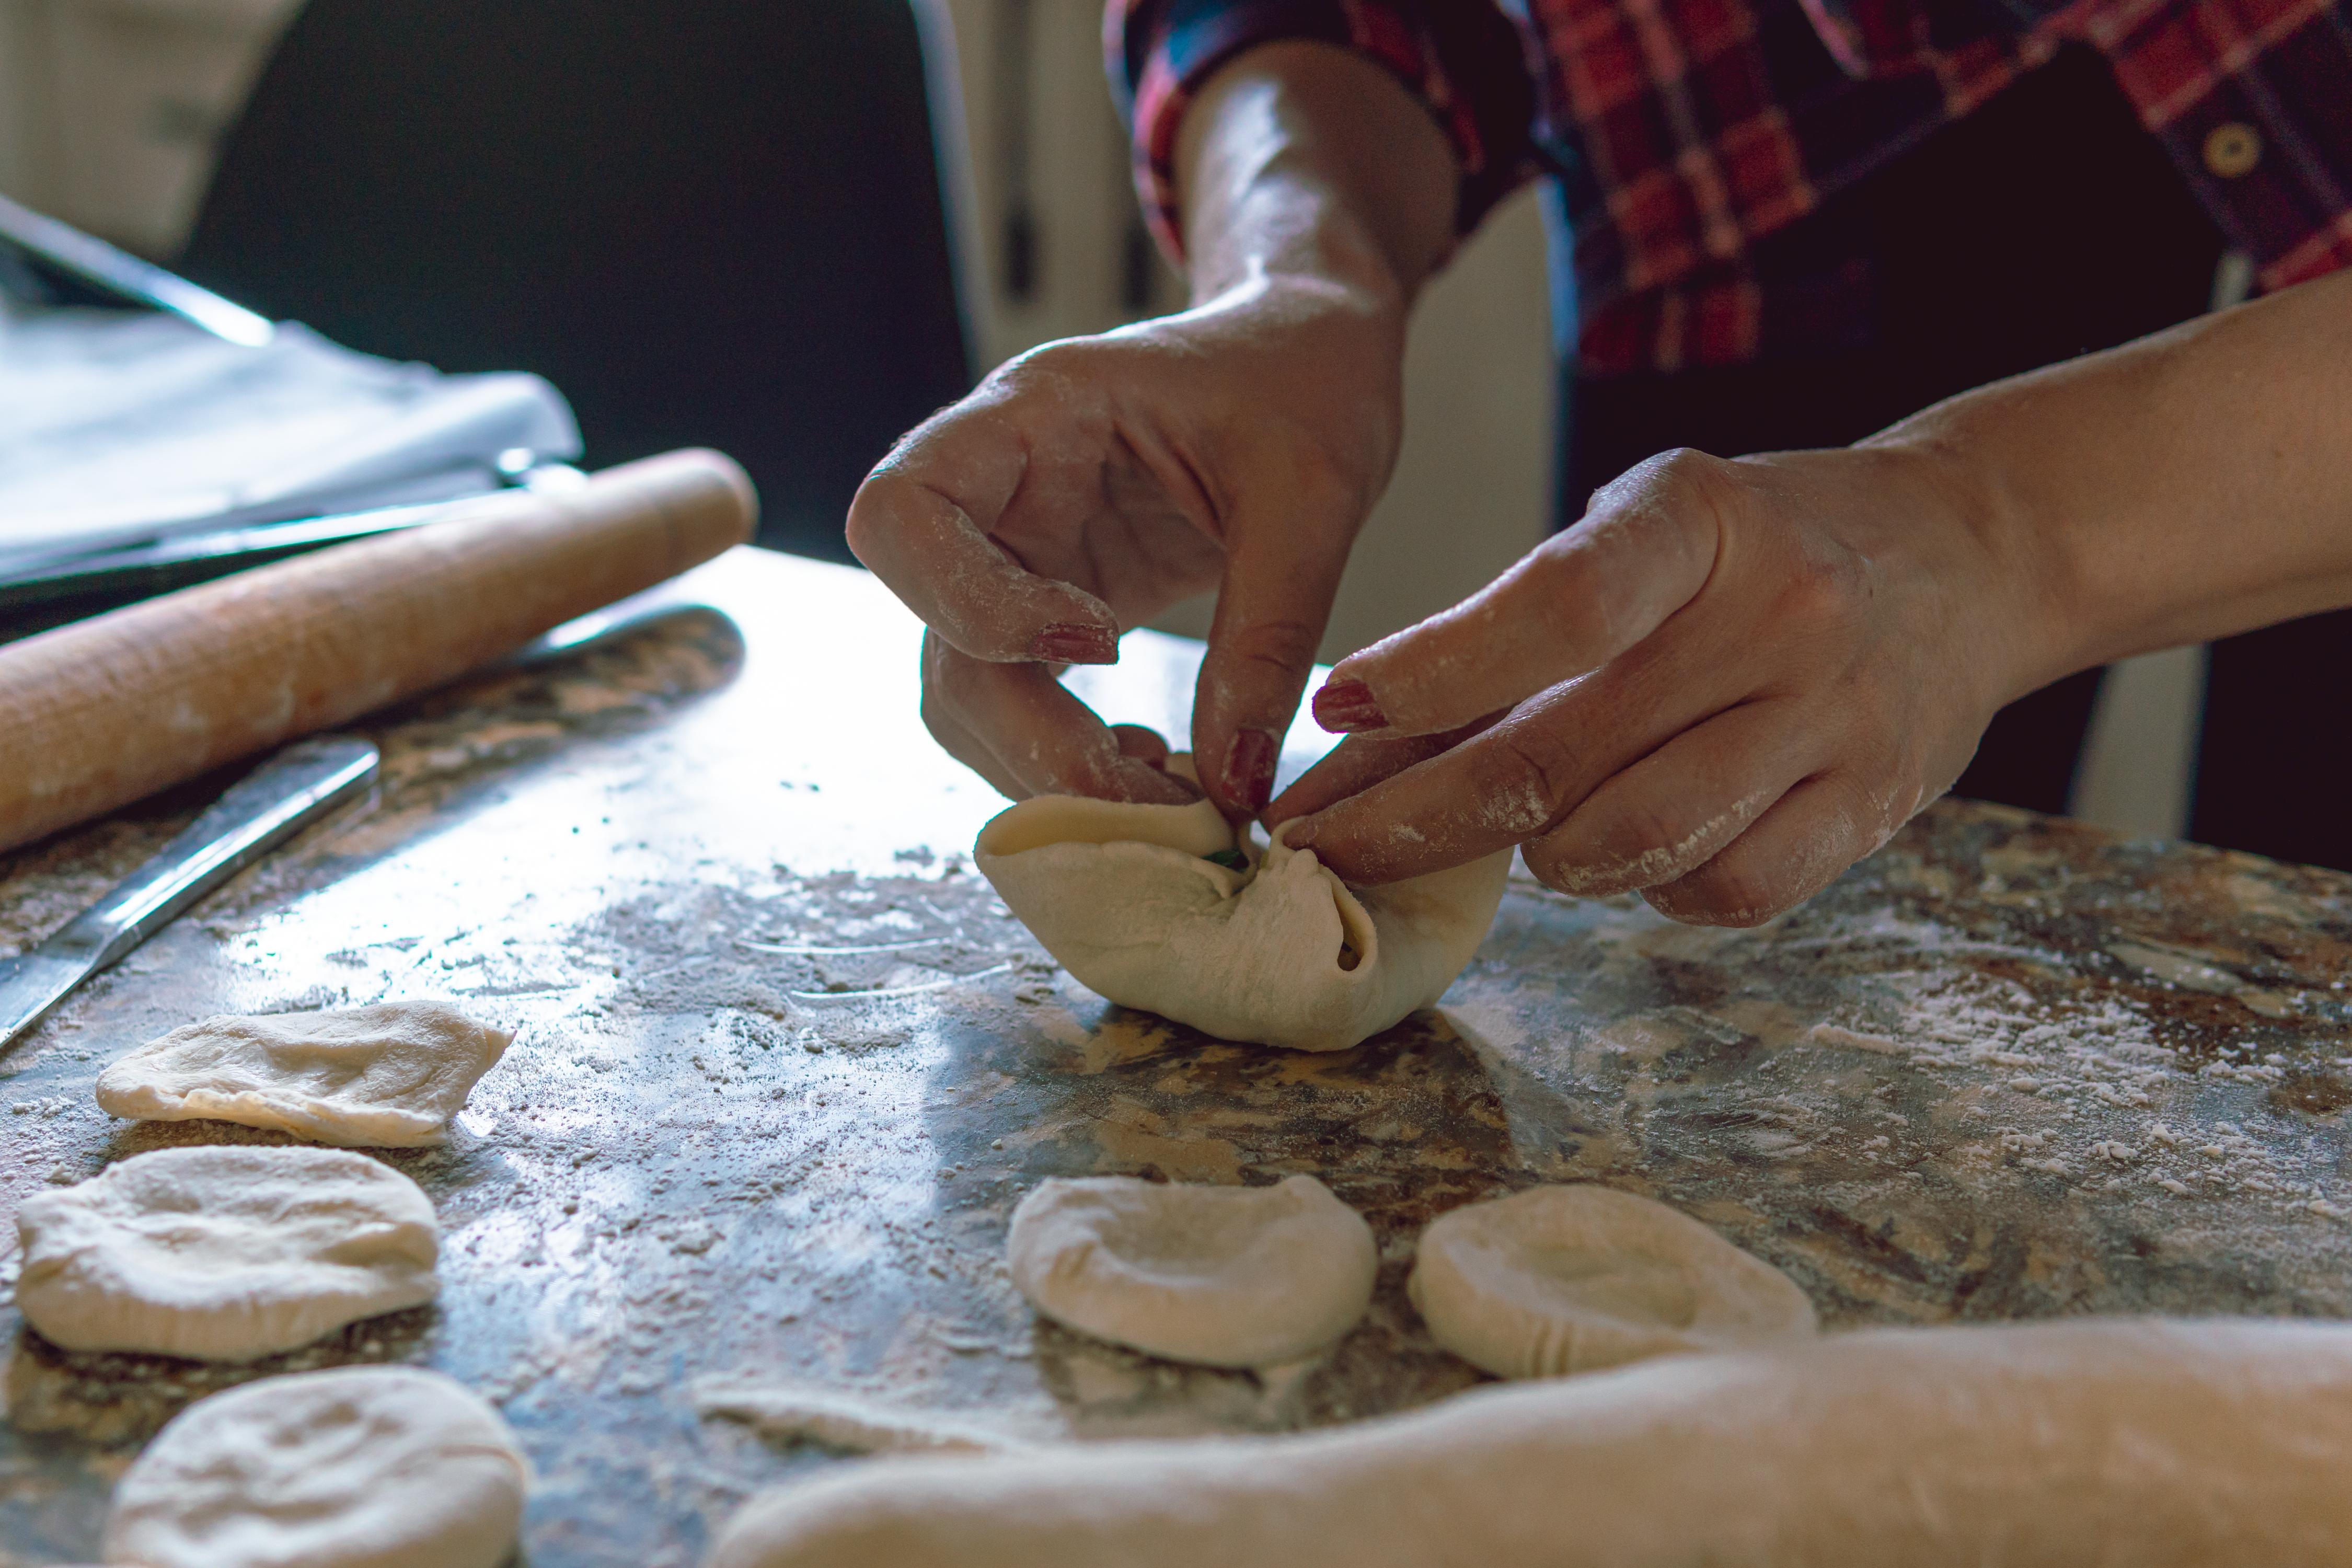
[100,713]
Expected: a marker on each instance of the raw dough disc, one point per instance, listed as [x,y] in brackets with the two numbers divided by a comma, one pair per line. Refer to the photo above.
[1283,953]
[2159,1444]
[224,1254]
[384,1466]
[1238,1277]
[390,1076]
[1567,1279]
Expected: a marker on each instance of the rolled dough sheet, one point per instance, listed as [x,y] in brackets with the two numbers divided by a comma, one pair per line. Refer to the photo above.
[1281,953]
[2158,1444]
[224,1254]
[390,1076]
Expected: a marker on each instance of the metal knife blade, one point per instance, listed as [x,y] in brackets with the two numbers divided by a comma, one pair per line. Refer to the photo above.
[269,805]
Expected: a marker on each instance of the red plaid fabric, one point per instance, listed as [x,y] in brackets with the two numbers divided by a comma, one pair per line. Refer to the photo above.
[1683,132]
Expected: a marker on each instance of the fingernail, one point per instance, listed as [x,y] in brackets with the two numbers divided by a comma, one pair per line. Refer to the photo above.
[1249,768]
[1299,832]
[1073,642]
[1345,706]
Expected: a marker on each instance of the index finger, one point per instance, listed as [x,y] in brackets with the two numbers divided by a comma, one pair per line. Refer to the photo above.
[920,523]
[1493,790]
[1570,605]
[1355,765]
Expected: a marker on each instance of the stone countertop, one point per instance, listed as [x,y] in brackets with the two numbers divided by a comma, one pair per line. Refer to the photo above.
[784,1064]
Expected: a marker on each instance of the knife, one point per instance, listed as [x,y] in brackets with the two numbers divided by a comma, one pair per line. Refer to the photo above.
[94,262]
[285,793]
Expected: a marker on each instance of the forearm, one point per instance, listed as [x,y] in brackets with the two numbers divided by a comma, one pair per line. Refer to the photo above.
[1307,162]
[2188,485]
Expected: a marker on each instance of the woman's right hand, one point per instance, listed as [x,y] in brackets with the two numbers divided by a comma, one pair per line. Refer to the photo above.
[1090,484]
[1236,446]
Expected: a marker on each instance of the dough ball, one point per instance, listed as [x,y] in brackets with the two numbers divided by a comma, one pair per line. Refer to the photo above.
[1570,1279]
[224,1254]
[388,1467]
[390,1076]
[1281,952]
[1237,1277]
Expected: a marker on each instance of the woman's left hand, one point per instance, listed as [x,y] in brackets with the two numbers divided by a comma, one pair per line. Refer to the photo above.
[1726,684]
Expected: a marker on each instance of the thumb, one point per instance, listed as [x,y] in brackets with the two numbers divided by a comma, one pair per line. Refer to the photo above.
[1272,606]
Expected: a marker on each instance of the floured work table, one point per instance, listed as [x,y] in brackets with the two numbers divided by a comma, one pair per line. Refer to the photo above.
[784,1064]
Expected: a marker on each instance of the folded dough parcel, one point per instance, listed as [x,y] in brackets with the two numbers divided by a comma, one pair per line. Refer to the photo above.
[1278,952]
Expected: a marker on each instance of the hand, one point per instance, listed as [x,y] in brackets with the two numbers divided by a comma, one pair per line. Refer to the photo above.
[1726,684]
[1090,484]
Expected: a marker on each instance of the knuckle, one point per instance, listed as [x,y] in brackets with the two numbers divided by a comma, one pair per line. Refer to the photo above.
[1532,776]
[1682,468]
[1068,372]
[1648,840]
[1567,587]
[1640,846]
[1821,590]
[952,684]
[1057,395]
[873,511]
[1331,483]
[1720,895]
[1044,364]
[1282,644]
[1569,868]
[1740,887]
[1687,476]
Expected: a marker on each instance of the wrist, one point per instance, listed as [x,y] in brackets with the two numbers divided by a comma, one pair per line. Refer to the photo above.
[1354,315]
[2031,613]
[2184,487]
[1303,246]
[1308,162]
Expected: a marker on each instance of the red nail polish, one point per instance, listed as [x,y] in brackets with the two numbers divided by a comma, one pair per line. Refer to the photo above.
[1069,642]
[1249,768]
[1345,705]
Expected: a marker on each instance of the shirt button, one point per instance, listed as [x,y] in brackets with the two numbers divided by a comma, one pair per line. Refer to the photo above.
[2232,148]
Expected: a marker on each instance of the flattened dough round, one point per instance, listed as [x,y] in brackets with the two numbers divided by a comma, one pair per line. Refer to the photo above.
[362,1466]
[1235,1276]
[1570,1279]
[388,1076]
[224,1254]
[1283,953]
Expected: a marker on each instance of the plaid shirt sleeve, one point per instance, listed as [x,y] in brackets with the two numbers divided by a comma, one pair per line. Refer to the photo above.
[1460,58]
